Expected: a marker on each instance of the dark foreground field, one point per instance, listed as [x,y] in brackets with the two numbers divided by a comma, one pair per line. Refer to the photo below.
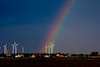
[50,63]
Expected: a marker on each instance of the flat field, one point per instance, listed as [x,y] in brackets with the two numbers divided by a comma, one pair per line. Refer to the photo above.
[49,63]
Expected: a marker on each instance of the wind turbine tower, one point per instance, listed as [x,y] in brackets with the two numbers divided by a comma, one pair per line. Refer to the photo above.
[0,49]
[46,48]
[5,49]
[13,48]
[49,49]
[22,49]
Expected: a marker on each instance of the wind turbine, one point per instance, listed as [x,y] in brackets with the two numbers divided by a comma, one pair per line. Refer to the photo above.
[51,46]
[15,47]
[46,48]
[49,49]
[5,49]
[22,49]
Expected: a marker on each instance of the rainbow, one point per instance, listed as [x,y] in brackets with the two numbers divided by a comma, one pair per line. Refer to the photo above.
[63,15]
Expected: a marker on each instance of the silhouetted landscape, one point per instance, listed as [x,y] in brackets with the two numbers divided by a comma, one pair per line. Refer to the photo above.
[50,60]
[50,63]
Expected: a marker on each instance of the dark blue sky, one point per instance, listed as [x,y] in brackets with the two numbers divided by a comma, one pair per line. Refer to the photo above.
[27,22]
